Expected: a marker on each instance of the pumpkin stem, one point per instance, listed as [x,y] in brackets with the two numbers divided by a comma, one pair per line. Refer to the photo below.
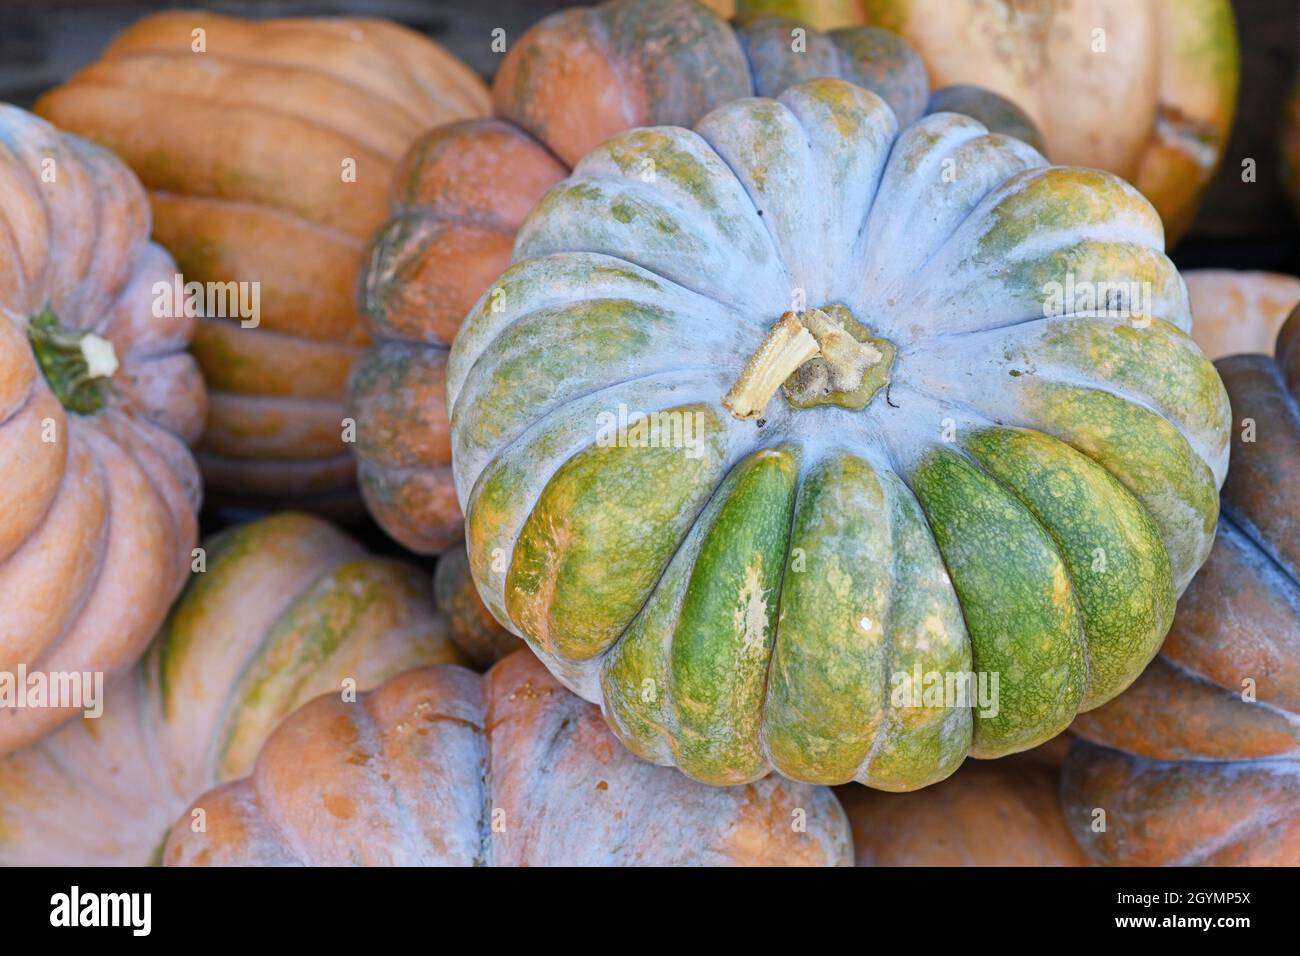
[821,356]
[76,364]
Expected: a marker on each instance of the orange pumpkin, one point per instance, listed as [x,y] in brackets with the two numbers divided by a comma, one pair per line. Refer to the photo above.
[97,400]
[441,767]
[284,608]
[272,167]
[989,813]
[1146,90]
[1236,311]
[574,80]
[1201,762]
[471,624]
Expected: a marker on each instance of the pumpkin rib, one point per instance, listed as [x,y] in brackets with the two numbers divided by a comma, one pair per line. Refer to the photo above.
[183,98]
[254,40]
[1249,533]
[92,113]
[1279,711]
[91,471]
[1061,375]
[153,471]
[471,99]
[228,202]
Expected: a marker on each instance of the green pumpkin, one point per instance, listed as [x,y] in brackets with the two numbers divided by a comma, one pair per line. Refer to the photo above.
[866,447]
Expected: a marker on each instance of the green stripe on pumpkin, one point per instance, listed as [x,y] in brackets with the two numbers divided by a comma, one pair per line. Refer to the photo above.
[1117,562]
[723,639]
[602,531]
[1015,593]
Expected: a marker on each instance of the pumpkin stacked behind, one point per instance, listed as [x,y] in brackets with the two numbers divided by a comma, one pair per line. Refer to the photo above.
[284,609]
[1145,90]
[989,813]
[1235,311]
[98,491]
[1201,762]
[442,767]
[470,623]
[268,149]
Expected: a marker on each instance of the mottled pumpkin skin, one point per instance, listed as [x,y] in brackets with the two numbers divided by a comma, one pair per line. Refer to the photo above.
[574,80]
[1238,311]
[98,489]
[470,624]
[288,608]
[1155,108]
[1205,765]
[740,597]
[247,182]
[989,813]
[439,767]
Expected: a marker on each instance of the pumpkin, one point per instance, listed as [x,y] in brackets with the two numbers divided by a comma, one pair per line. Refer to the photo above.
[469,622]
[989,813]
[97,401]
[267,148]
[285,608]
[954,479]
[575,79]
[441,767]
[1145,90]
[1201,756]
[1237,311]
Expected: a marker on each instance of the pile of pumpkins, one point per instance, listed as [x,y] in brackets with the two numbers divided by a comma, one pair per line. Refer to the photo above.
[711,353]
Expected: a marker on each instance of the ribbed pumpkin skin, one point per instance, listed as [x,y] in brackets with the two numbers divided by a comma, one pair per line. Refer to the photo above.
[652,578]
[98,491]
[246,177]
[575,79]
[439,767]
[1238,312]
[1207,775]
[989,813]
[1155,108]
[287,609]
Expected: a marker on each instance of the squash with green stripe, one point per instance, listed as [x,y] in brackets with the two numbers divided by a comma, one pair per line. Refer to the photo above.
[277,612]
[834,448]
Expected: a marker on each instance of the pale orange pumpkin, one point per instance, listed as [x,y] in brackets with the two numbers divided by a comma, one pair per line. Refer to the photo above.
[97,401]
[1146,89]
[282,609]
[268,148]
[1237,311]
[442,767]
